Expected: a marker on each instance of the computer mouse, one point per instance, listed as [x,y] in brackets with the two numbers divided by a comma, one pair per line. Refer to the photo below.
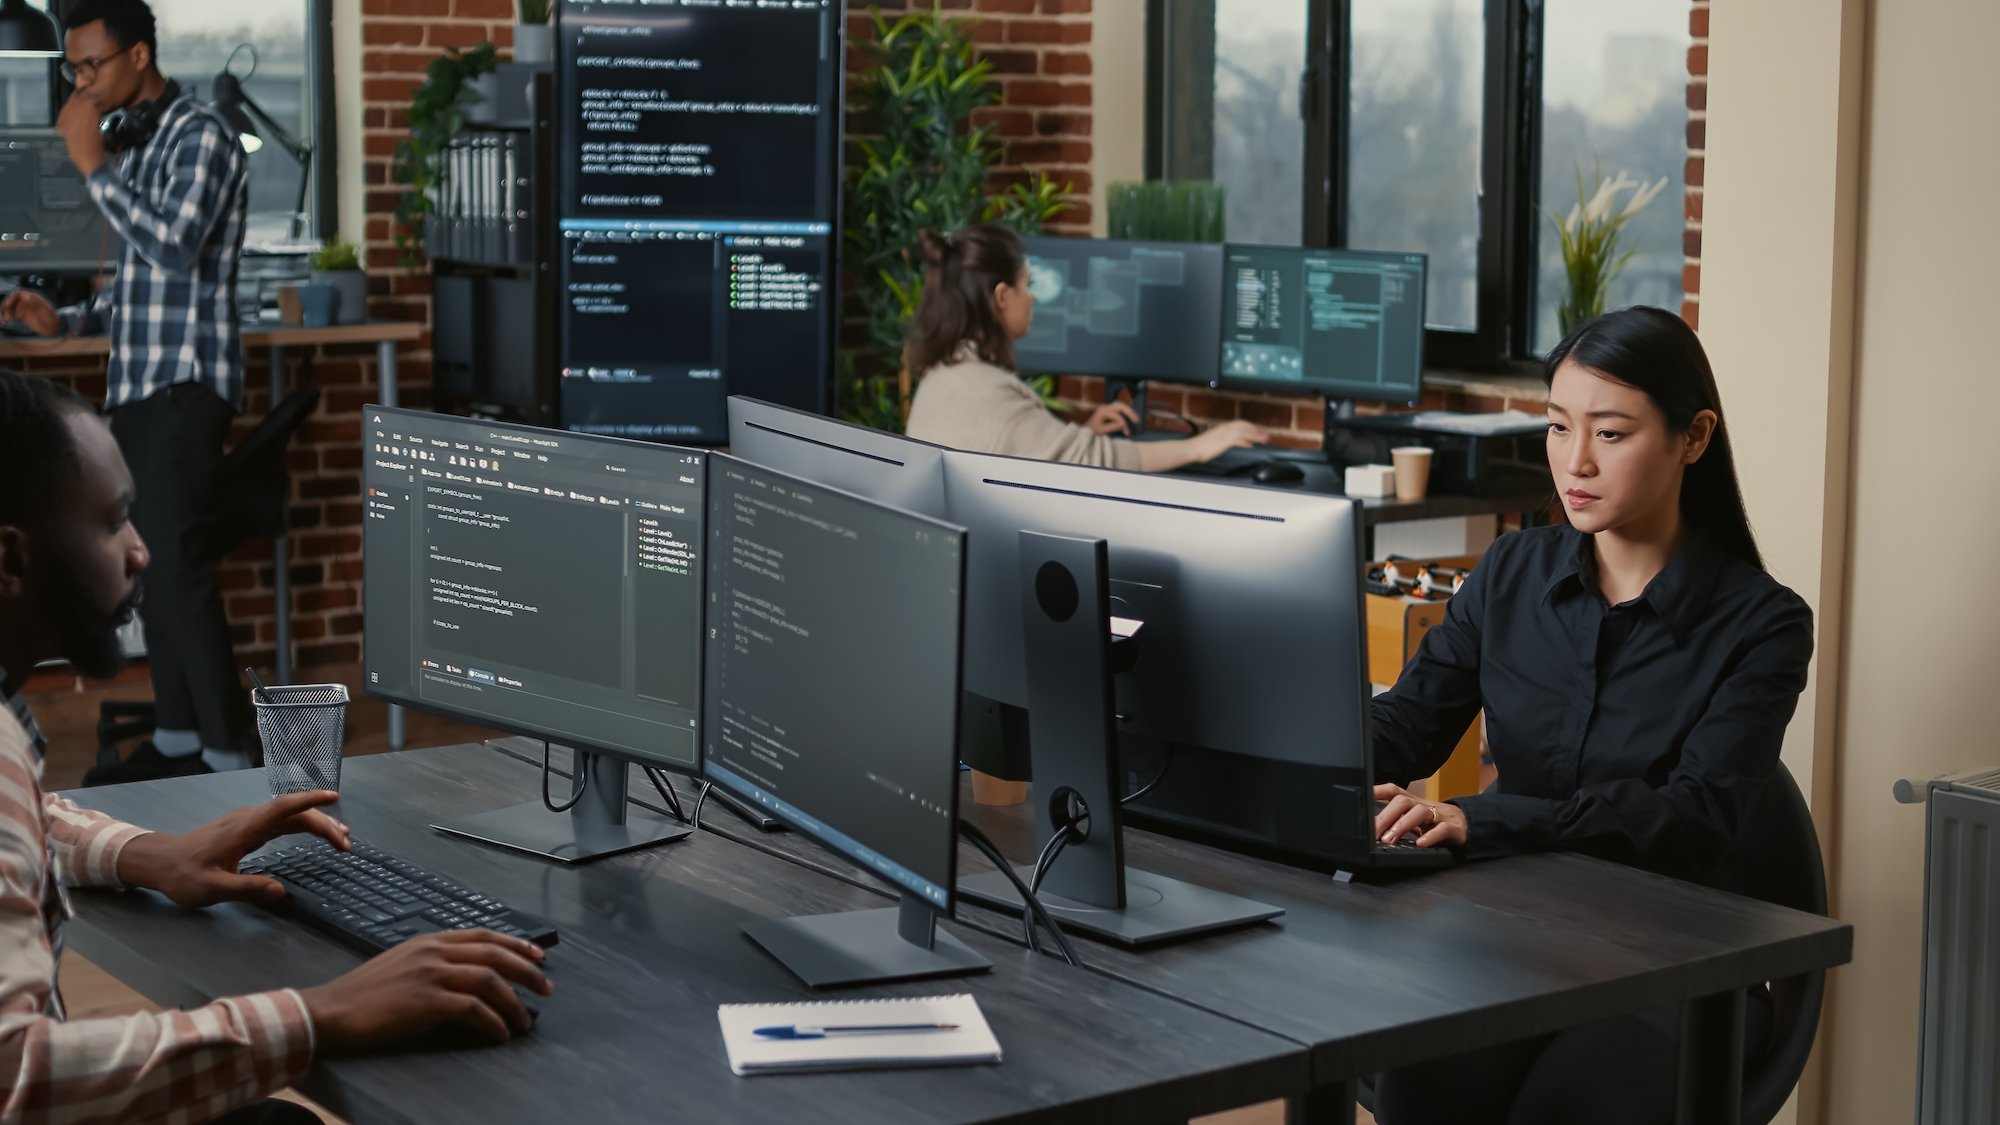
[1278,472]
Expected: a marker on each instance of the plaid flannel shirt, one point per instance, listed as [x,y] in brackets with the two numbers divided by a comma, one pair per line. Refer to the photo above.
[172,1067]
[178,202]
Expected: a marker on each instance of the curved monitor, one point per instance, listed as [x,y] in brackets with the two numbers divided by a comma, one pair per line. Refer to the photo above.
[1249,598]
[886,468]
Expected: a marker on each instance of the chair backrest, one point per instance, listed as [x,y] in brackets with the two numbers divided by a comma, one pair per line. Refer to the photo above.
[1777,860]
[252,483]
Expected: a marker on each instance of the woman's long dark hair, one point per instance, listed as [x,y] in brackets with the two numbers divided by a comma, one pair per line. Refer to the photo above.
[960,273]
[1655,351]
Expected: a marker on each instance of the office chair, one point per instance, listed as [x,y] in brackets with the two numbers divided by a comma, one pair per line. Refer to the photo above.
[1777,860]
[253,487]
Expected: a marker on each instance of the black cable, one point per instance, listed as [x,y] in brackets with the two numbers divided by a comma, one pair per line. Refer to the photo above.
[701,799]
[665,786]
[1148,787]
[582,783]
[1042,864]
[985,844]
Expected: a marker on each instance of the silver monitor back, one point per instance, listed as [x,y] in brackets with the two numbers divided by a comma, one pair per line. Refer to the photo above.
[886,468]
[1254,639]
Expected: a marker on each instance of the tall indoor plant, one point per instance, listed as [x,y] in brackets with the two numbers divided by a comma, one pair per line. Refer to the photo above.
[918,163]
[437,112]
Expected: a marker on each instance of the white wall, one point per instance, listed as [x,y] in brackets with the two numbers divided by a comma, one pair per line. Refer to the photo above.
[1118,99]
[1848,249]
[347,97]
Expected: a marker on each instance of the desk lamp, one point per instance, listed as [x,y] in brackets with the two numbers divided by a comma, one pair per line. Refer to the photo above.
[253,124]
[26,33]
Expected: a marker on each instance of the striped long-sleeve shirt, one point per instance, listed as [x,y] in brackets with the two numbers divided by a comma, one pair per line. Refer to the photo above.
[179,202]
[170,1067]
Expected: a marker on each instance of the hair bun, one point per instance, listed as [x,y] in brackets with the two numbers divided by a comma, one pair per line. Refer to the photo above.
[936,247]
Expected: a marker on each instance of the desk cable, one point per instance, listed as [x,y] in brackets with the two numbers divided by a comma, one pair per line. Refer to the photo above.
[665,787]
[700,799]
[1032,906]
[1157,778]
[582,784]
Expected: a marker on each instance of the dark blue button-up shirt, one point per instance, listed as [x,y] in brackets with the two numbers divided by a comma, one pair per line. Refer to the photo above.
[1641,733]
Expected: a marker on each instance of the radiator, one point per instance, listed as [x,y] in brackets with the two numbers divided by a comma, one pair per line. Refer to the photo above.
[1959,1022]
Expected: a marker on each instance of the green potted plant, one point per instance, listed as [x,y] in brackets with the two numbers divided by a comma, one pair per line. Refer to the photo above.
[437,112]
[1592,258]
[338,263]
[534,39]
[917,163]
[1167,211]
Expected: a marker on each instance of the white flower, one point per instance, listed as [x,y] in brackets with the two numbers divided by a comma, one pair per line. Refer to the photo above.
[1643,196]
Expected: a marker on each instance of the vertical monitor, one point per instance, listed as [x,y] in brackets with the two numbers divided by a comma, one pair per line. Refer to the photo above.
[836,712]
[1135,310]
[1346,324]
[535,580]
[699,189]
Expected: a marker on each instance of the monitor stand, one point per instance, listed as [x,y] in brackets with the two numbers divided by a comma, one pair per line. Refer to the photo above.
[1072,743]
[866,946]
[601,823]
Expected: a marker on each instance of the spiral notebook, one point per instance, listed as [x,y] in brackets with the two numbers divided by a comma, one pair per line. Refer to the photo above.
[749,1053]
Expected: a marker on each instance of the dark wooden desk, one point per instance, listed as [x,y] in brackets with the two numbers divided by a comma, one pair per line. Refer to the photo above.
[1378,976]
[650,945]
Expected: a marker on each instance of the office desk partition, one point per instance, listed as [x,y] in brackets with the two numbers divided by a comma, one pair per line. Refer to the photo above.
[650,944]
[1374,976]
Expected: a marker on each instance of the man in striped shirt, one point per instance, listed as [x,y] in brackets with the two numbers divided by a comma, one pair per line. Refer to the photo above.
[172,182]
[69,574]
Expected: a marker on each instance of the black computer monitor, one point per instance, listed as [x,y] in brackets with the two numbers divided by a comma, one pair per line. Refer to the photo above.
[1344,324]
[546,583]
[886,468]
[47,221]
[1245,611]
[839,712]
[1126,310]
[698,161]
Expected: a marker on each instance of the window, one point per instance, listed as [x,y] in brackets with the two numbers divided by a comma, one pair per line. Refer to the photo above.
[1447,126]
[293,83]
[1614,99]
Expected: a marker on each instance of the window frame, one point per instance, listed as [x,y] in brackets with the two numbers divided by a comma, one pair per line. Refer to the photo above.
[322,120]
[1510,161]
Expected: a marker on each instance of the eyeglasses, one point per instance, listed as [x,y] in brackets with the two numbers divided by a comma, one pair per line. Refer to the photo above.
[88,67]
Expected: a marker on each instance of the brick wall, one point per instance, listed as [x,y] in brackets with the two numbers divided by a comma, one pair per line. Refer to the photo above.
[1697,143]
[1041,53]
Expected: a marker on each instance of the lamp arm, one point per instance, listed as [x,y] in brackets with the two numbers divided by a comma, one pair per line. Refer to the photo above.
[299,150]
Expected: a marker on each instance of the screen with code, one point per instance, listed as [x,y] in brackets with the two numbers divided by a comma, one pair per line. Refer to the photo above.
[698,192]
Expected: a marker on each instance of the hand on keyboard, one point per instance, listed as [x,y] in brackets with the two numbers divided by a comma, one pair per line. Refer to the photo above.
[1399,813]
[465,978]
[372,900]
[202,867]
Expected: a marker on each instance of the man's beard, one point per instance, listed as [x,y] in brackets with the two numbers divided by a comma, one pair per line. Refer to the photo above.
[85,637]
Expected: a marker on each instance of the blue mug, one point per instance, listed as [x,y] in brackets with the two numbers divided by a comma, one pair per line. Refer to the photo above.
[317,302]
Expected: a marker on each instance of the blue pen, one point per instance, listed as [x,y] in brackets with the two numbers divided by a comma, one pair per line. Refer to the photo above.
[805,1031]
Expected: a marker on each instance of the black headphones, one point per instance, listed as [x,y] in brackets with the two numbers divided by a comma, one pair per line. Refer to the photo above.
[126,129]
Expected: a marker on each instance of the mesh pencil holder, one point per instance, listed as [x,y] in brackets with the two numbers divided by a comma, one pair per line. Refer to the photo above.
[302,727]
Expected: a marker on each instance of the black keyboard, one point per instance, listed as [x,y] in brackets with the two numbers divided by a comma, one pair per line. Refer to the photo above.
[371,900]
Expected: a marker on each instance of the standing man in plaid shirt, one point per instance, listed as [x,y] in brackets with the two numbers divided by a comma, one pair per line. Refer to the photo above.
[69,573]
[171,179]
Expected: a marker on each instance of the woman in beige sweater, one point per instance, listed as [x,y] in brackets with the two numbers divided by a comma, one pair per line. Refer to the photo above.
[976,304]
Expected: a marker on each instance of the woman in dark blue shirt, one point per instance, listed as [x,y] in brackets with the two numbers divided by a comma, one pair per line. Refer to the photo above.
[1637,669]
